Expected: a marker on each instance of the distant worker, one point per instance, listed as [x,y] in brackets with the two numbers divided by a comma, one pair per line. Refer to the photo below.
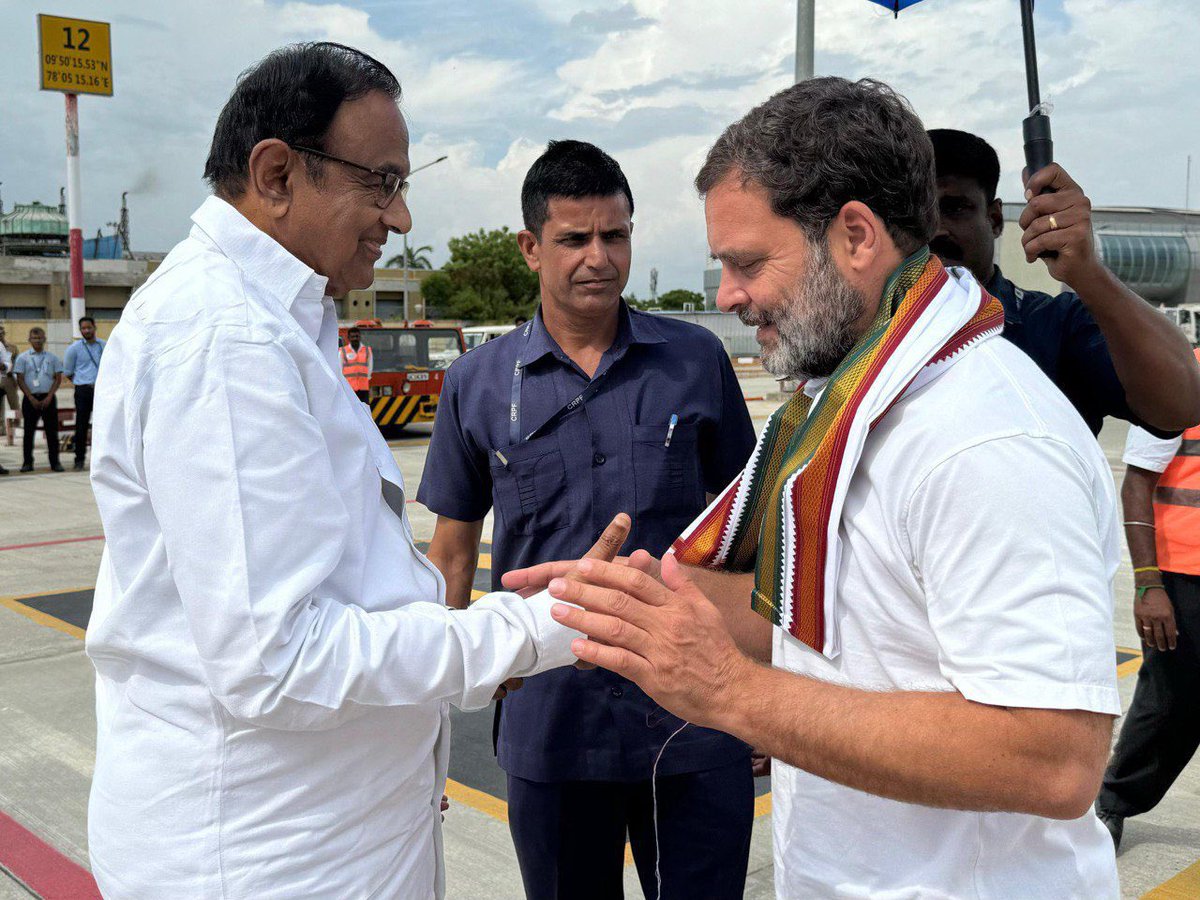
[8,388]
[657,421]
[358,365]
[81,364]
[1106,348]
[1161,496]
[39,373]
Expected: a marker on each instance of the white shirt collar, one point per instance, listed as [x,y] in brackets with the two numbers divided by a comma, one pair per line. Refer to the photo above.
[814,386]
[264,261]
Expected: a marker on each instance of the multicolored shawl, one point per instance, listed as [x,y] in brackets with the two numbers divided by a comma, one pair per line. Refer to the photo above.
[781,515]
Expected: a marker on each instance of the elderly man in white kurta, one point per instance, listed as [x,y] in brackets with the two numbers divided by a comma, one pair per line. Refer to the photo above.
[274,659]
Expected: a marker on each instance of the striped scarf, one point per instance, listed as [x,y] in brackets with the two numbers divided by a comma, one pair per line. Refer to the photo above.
[780,516]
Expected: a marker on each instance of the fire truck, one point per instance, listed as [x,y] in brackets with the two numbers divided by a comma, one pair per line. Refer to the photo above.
[410,362]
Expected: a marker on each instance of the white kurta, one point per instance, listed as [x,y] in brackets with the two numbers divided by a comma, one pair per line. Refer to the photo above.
[274,657]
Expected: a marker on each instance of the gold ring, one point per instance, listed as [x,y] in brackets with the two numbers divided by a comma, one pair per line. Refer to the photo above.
[1053,224]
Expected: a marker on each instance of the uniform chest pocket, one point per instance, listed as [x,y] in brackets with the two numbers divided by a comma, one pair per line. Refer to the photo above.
[667,478]
[530,492]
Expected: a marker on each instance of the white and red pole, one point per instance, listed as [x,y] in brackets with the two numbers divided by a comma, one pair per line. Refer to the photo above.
[75,238]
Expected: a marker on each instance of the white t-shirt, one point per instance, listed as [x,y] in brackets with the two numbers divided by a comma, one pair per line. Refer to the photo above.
[979,545]
[1144,450]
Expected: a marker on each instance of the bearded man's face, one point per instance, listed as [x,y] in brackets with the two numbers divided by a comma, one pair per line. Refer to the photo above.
[786,285]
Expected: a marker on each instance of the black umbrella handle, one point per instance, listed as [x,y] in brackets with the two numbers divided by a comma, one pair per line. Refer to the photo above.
[1039,153]
[1039,146]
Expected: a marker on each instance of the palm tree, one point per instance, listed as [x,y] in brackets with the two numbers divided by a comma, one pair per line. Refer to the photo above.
[417,259]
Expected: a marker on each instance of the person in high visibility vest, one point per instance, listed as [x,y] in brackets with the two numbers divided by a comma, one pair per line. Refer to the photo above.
[358,364]
[1161,733]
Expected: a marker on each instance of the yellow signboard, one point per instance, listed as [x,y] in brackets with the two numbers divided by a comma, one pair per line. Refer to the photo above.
[75,55]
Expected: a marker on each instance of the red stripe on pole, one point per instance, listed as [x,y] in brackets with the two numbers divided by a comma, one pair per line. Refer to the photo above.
[76,247]
[41,868]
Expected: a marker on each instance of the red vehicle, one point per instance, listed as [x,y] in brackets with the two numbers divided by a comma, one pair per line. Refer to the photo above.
[410,361]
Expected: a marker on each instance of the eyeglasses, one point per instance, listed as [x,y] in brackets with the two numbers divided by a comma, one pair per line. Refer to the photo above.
[390,184]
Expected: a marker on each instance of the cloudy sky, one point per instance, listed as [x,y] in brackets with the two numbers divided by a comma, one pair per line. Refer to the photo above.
[488,82]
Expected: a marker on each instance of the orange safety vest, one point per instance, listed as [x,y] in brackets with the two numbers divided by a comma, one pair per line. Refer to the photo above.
[1177,507]
[356,366]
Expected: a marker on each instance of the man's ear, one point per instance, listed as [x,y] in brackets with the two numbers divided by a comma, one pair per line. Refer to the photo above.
[995,214]
[270,175]
[855,235]
[530,246]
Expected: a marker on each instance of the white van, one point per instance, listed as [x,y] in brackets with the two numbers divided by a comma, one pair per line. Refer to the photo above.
[1187,318]
[475,335]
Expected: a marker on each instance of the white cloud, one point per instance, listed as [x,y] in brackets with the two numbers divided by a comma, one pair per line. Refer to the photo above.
[655,91]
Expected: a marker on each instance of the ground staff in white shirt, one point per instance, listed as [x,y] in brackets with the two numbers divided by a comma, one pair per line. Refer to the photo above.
[274,658]
[945,733]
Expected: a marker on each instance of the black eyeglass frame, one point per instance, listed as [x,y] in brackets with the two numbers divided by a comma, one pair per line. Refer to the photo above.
[390,184]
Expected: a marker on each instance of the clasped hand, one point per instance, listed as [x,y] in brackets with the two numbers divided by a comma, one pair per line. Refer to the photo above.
[648,622]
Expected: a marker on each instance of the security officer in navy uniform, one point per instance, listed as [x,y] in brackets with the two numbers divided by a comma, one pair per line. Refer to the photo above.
[1106,348]
[589,410]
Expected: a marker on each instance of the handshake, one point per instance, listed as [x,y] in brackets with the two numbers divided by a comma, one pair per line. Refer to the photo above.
[648,621]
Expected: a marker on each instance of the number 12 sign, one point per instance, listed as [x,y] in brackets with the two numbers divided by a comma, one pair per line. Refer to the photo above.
[75,55]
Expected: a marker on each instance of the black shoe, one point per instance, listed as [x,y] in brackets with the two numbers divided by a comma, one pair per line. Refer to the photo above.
[57,467]
[79,466]
[1115,825]
[3,471]
[27,467]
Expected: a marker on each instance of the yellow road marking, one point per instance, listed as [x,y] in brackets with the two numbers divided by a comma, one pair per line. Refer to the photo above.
[1130,666]
[1184,886]
[40,617]
[477,800]
[762,805]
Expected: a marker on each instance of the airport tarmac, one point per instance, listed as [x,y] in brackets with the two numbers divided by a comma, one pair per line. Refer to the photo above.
[50,546]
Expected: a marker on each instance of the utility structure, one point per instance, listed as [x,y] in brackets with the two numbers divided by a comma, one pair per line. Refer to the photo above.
[74,57]
[406,257]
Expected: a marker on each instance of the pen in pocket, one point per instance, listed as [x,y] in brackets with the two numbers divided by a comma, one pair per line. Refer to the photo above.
[671,429]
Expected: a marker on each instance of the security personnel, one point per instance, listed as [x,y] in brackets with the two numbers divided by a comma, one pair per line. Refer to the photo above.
[82,364]
[588,410]
[39,373]
[1161,496]
[358,364]
[1106,348]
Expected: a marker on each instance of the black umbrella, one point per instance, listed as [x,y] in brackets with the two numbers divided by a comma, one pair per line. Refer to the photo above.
[1039,148]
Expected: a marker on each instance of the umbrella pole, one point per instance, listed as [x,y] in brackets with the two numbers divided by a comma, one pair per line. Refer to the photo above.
[1039,148]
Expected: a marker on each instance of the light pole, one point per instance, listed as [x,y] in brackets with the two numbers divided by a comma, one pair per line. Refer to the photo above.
[805,40]
[410,175]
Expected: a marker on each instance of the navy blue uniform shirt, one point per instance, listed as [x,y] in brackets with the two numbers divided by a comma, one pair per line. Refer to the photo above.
[1064,340]
[555,493]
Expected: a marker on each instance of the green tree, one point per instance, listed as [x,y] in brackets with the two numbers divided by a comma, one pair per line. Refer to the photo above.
[485,279]
[677,298]
[418,258]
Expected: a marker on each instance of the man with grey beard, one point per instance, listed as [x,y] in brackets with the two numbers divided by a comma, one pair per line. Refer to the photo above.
[815,323]
[941,689]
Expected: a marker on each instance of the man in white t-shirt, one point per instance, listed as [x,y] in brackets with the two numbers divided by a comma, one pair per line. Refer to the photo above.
[931,530]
